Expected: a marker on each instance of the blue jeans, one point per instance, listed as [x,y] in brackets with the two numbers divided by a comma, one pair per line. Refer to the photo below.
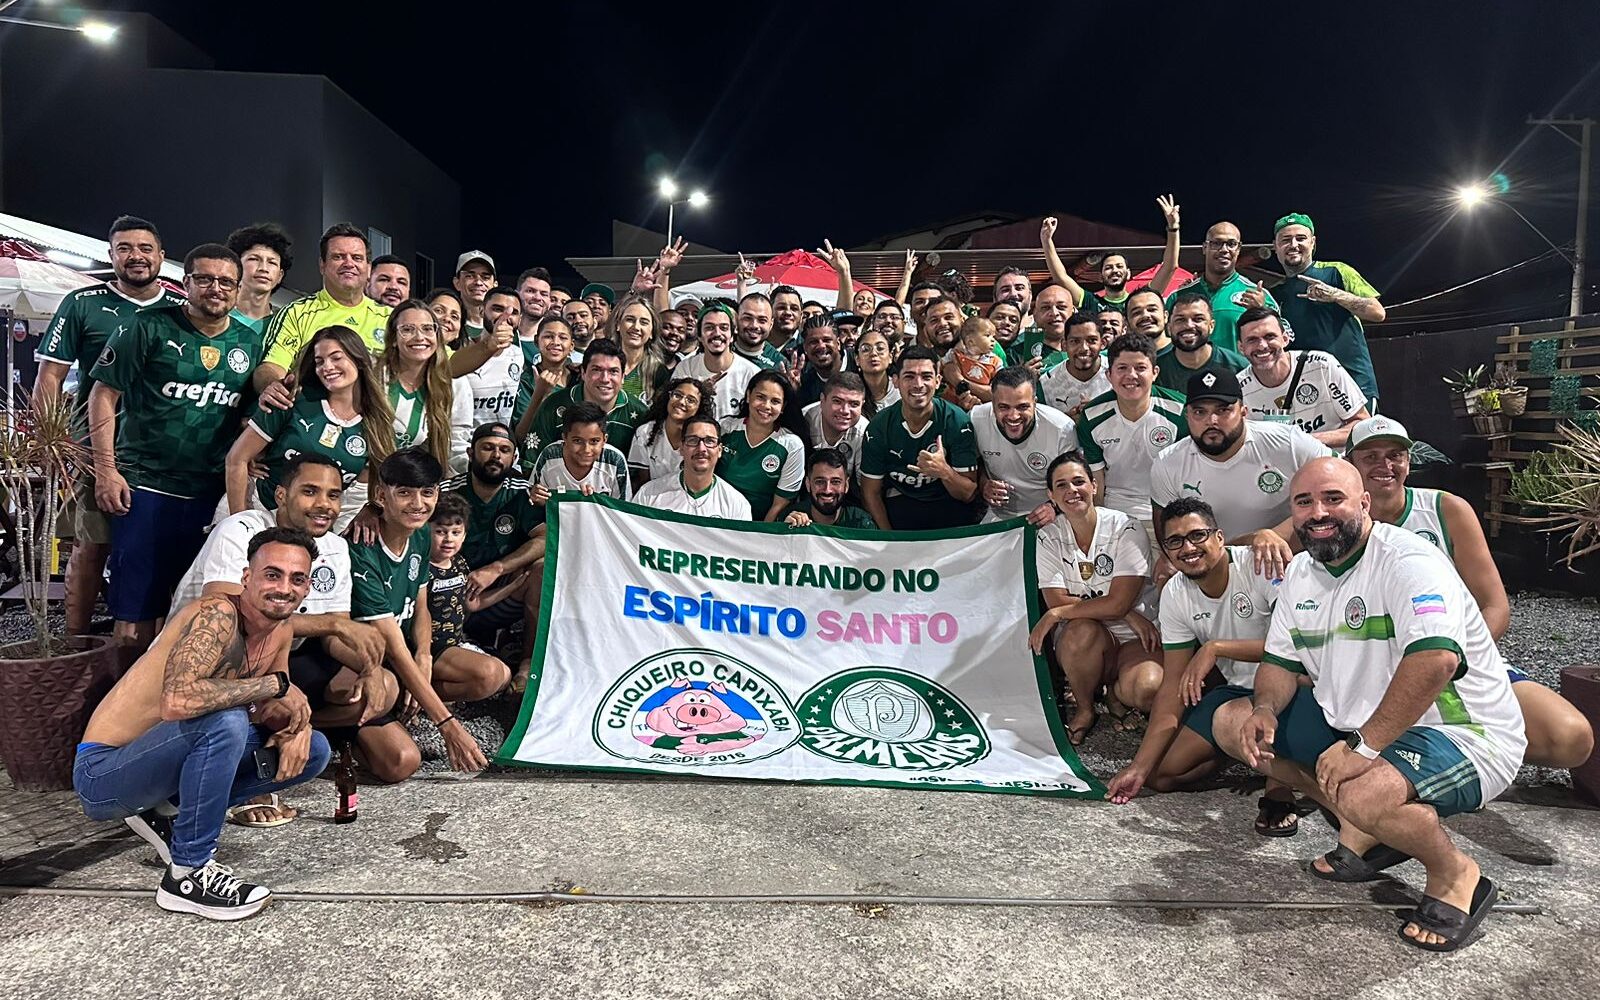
[204,763]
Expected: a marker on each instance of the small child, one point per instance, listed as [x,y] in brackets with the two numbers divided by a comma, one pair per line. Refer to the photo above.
[460,669]
[973,362]
[581,461]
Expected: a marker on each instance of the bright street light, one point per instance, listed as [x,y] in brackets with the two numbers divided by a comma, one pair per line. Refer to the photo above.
[99,32]
[698,199]
[1469,195]
[668,188]
[669,191]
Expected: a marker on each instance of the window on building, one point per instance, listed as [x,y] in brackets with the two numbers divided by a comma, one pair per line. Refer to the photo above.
[423,274]
[381,241]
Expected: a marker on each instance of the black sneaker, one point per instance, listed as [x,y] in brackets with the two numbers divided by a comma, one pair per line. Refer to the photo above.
[156,830]
[211,892]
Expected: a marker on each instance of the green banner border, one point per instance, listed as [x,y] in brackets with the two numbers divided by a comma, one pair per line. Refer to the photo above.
[1030,579]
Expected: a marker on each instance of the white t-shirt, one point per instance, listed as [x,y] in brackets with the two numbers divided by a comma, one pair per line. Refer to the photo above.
[729,391]
[659,459]
[849,443]
[1250,490]
[223,560]
[1064,391]
[1325,397]
[1021,464]
[407,420]
[494,385]
[1423,515]
[1120,547]
[720,501]
[1125,449]
[1348,631]
[1244,611]
[607,477]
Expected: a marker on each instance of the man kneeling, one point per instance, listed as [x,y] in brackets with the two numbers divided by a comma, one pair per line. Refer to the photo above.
[187,722]
[1410,716]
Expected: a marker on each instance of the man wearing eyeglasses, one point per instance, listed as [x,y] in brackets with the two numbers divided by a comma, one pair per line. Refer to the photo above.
[177,372]
[1230,292]
[696,488]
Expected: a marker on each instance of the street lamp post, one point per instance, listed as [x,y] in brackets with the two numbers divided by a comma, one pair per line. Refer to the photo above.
[669,191]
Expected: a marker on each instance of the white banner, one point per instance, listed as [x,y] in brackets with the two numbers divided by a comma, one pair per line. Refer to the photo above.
[681,645]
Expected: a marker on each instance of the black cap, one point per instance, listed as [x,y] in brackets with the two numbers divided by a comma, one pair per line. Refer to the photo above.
[494,428]
[843,316]
[1214,383]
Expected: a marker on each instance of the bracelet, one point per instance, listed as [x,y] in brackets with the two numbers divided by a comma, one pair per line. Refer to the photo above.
[440,724]
[1172,229]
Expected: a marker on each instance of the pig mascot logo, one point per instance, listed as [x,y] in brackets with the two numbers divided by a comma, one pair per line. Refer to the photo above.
[694,718]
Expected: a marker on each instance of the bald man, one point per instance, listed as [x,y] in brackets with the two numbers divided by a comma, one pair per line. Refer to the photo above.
[1410,716]
[1230,292]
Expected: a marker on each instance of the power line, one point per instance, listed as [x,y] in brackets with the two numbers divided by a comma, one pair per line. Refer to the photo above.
[1474,281]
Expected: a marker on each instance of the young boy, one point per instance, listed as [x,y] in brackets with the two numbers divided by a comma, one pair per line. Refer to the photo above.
[971,364]
[581,461]
[461,671]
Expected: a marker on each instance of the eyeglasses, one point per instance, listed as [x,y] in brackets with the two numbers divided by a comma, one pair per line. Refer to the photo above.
[207,280]
[873,349]
[412,329]
[696,443]
[683,397]
[1197,538]
[1223,244]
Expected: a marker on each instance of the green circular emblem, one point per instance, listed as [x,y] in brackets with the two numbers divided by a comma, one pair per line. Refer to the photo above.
[1270,481]
[1355,613]
[1428,536]
[883,717]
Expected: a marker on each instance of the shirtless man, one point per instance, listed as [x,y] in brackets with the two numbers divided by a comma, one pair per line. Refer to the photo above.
[208,715]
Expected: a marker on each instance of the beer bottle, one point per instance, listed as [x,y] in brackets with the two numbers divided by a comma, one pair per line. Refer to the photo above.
[344,782]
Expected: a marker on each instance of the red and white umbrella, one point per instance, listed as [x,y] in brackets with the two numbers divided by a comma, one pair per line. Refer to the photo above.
[807,273]
[1138,281]
[32,285]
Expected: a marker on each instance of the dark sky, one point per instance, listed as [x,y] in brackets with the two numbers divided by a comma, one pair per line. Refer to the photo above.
[853,120]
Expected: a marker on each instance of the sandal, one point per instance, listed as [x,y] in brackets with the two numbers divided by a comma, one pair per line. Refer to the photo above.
[248,813]
[1272,813]
[1450,923]
[1348,866]
[1077,734]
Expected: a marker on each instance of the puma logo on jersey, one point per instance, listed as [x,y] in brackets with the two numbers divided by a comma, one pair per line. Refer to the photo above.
[1192,487]
[176,347]
[305,425]
[1410,757]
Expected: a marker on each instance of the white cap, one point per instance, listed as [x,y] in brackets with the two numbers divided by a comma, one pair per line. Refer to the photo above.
[472,255]
[1378,429]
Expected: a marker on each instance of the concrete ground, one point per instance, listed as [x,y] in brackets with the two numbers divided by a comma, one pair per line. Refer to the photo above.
[1172,894]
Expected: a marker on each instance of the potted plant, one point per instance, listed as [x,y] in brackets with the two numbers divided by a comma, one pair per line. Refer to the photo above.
[1513,397]
[1486,415]
[1567,487]
[49,682]
[1465,389]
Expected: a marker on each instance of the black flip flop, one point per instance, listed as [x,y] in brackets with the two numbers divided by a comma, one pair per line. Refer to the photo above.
[1348,866]
[1450,923]
[1271,812]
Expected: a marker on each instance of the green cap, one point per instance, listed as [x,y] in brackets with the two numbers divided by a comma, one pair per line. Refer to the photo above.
[604,291]
[1295,219]
[714,307]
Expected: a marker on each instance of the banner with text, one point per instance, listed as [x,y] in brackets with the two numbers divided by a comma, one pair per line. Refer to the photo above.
[681,645]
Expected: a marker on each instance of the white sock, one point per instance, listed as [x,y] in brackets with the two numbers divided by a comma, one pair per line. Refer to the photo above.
[179,871]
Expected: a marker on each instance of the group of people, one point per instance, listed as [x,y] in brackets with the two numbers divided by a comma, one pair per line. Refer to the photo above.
[323,521]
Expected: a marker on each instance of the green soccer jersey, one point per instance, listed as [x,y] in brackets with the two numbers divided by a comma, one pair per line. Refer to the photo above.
[760,472]
[1175,376]
[78,332]
[258,325]
[1328,326]
[308,427]
[767,359]
[1226,305]
[498,526]
[384,584]
[546,427]
[1033,346]
[890,450]
[181,393]
[850,516]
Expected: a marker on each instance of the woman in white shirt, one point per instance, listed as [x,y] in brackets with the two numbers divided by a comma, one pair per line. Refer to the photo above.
[654,453]
[430,408]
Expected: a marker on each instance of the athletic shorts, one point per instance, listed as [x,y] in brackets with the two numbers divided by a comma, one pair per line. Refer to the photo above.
[1442,775]
[89,522]
[906,514]
[1516,676]
[1198,717]
[311,669]
[152,546]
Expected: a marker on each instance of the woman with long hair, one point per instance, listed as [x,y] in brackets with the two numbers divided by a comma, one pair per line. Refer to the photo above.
[657,444]
[342,413]
[633,325]
[448,310]
[429,408]
[763,448]
[874,356]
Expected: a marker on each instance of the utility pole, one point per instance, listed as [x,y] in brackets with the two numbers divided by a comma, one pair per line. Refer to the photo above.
[1580,256]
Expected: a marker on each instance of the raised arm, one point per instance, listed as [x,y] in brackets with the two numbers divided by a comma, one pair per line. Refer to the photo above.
[671,256]
[1169,256]
[903,293]
[840,262]
[1052,259]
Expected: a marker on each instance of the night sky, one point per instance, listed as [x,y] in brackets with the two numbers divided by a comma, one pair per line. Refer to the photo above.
[855,120]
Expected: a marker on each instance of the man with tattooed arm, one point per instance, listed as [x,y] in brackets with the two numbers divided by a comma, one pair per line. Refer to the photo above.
[206,719]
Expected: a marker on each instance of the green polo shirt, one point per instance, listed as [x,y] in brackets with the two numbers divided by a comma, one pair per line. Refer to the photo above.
[1226,307]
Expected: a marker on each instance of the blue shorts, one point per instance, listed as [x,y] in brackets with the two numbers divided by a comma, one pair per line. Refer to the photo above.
[152,546]
[1516,675]
[1438,771]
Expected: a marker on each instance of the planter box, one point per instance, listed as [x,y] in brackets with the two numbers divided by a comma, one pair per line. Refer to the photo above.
[45,703]
[1581,686]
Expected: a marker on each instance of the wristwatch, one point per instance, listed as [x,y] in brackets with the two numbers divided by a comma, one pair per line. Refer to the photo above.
[1356,743]
[283,684]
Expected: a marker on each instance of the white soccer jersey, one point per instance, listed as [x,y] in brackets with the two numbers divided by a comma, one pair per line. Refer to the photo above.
[608,476]
[494,386]
[223,559]
[720,500]
[1249,490]
[1347,629]
[1189,618]
[658,459]
[1021,464]
[1064,391]
[1120,547]
[1325,397]
[1125,449]
[1423,515]
[729,390]
[849,443]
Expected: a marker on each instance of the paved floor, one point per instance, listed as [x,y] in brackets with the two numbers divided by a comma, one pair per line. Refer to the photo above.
[1171,894]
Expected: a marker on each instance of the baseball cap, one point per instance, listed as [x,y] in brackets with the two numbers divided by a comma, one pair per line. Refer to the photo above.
[1378,429]
[1216,384]
[604,291]
[472,255]
[1294,219]
[494,428]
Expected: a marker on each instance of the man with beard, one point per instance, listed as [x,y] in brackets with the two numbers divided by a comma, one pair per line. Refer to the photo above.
[889,319]
[505,535]
[696,489]
[494,383]
[186,721]
[923,447]
[1017,440]
[1409,716]
[788,313]
[939,325]
[1013,285]
[825,496]
[533,295]
[819,342]
[599,298]
[1123,430]
[754,327]
[265,251]
[835,421]
[1309,389]
[162,416]
[1112,325]
[1046,341]
[1238,466]
[1147,316]
[474,277]
[846,326]
[673,336]
[1229,292]
[390,283]
[77,334]
[1114,270]
[342,301]
[599,382]
[1082,376]
[718,365]
[560,295]
[1326,301]
[1191,350]
[581,321]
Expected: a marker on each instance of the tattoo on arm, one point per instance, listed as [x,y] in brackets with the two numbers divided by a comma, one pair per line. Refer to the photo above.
[205,669]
